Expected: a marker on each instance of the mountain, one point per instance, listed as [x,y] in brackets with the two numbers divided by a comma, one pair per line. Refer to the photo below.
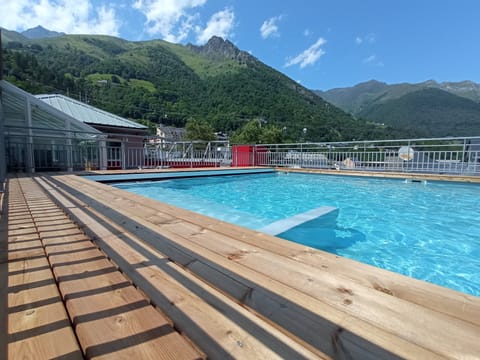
[429,112]
[356,99]
[157,81]
[40,32]
[466,89]
[11,36]
[426,109]
[217,49]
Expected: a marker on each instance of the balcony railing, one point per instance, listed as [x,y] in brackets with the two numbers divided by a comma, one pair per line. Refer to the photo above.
[37,151]
[439,156]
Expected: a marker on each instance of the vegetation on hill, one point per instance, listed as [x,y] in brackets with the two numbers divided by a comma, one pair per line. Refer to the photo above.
[427,109]
[358,98]
[199,130]
[429,113]
[159,82]
[9,36]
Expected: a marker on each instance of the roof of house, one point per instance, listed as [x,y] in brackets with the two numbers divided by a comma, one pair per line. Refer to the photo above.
[86,113]
[171,132]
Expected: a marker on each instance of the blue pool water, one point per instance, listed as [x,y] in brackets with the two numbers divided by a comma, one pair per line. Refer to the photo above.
[427,231]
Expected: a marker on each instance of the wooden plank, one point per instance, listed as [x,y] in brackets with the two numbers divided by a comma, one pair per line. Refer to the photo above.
[429,339]
[262,300]
[36,316]
[4,273]
[114,322]
[419,292]
[412,290]
[361,301]
[208,320]
[221,326]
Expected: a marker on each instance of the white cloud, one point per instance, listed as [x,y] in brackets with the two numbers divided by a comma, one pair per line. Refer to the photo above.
[373,60]
[70,16]
[220,24]
[270,27]
[171,19]
[369,38]
[307,32]
[309,56]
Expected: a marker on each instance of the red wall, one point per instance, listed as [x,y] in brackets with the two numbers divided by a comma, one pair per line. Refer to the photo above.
[248,155]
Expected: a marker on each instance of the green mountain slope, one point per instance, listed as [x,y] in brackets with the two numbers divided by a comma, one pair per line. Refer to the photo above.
[356,99]
[10,36]
[424,109]
[155,81]
[429,112]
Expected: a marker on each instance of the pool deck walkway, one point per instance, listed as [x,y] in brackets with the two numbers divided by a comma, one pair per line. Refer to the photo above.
[91,271]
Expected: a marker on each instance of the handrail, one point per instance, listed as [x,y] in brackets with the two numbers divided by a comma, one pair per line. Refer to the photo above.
[455,155]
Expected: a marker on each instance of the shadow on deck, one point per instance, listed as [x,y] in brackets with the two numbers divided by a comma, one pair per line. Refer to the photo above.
[116,274]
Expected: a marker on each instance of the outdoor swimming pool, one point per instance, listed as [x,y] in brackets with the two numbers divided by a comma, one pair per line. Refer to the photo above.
[426,231]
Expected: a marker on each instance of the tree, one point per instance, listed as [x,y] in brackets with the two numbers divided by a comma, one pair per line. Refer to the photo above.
[253,133]
[248,134]
[199,130]
[271,134]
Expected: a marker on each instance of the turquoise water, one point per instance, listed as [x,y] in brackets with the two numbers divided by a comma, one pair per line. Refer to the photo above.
[427,231]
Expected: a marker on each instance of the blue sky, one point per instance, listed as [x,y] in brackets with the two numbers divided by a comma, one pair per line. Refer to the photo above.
[322,44]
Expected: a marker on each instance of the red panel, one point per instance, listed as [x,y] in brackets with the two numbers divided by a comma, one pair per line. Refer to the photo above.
[242,155]
[248,155]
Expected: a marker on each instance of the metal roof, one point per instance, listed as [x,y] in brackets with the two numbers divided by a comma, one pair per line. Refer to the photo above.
[86,113]
[43,116]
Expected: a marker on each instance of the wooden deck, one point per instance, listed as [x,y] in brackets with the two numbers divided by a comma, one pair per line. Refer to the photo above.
[89,270]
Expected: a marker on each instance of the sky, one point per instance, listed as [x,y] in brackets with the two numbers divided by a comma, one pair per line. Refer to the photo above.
[322,44]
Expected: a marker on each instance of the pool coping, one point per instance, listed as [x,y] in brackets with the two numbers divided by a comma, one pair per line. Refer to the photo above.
[173,174]
[387,175]
[253,169]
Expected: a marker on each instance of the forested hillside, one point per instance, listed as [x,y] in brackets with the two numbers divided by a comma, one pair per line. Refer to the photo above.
[427,109]
[160,82]
[429,113]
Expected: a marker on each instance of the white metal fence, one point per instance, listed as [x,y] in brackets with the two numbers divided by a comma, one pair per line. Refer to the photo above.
[57,151]
[439,156]
[73,152]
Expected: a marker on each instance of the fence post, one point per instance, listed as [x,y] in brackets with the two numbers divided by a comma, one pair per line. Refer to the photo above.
[3,158]
[301,155]
[192,154]
[123,157]
[69,146]
[464,150]
[235,153]
[103,158]
[30,165]
[330,155]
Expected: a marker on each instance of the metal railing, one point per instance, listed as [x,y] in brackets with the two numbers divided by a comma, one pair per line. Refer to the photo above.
[58,150]
[439,156]
[187,154]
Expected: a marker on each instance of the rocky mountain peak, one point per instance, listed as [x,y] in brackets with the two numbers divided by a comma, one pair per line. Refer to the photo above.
[39,32]
[219,49]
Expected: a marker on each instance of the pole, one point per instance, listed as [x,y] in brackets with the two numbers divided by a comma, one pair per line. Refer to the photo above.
[3,159]
[1,56]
